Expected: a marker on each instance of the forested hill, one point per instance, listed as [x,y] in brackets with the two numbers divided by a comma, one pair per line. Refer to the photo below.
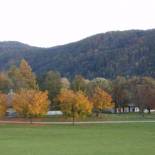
[108,55]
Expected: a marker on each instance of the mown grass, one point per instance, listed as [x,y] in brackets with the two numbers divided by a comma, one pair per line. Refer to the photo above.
[104,117]
[101,139]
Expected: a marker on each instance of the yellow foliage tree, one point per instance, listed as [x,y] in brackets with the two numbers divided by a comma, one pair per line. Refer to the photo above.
[67,99]
[29,103]
[74,104]
[83,106]
[3,104]
[28,76]
[101,100]
[22,77]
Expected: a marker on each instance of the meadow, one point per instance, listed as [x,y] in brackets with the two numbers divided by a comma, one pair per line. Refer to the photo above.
[99,139]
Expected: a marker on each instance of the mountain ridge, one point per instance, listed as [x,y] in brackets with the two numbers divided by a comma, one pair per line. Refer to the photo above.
[126,53]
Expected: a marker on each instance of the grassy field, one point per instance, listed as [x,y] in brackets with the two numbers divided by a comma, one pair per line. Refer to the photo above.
[105,117]
[101,139]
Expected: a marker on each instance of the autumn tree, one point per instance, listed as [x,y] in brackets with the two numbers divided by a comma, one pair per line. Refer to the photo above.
[101,100]
[28,76]
[22,77]
[83,106]
[74,104]
[143,92]
[3,104]
[29,103]
[120,93]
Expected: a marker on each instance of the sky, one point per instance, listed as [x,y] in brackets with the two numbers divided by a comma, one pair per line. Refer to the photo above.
[47,23]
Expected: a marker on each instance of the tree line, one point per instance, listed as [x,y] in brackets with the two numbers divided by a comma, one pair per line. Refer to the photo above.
[77,97]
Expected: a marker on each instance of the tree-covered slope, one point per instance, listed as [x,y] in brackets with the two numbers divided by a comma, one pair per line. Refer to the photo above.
[108,55]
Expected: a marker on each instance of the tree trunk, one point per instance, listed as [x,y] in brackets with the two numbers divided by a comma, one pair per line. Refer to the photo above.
[97,114]
[115,109]
[149,110]
[30,118]
[73,115]
[142,112]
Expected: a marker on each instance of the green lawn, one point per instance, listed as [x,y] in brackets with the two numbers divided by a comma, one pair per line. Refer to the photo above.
[101,139]
[104,117]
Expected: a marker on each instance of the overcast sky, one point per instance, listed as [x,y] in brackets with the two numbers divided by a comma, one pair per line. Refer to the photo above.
[53,22]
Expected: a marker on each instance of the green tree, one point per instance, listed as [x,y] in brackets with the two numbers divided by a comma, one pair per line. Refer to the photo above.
[102,83]
[65,83]
[5,83]
[52,83]
[15,78]
[79,83]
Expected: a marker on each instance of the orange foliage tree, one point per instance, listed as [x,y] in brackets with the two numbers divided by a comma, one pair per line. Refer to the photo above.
[29,103]
[101,100]
[74,104]
[22,77]
[28,77]
[3,104]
